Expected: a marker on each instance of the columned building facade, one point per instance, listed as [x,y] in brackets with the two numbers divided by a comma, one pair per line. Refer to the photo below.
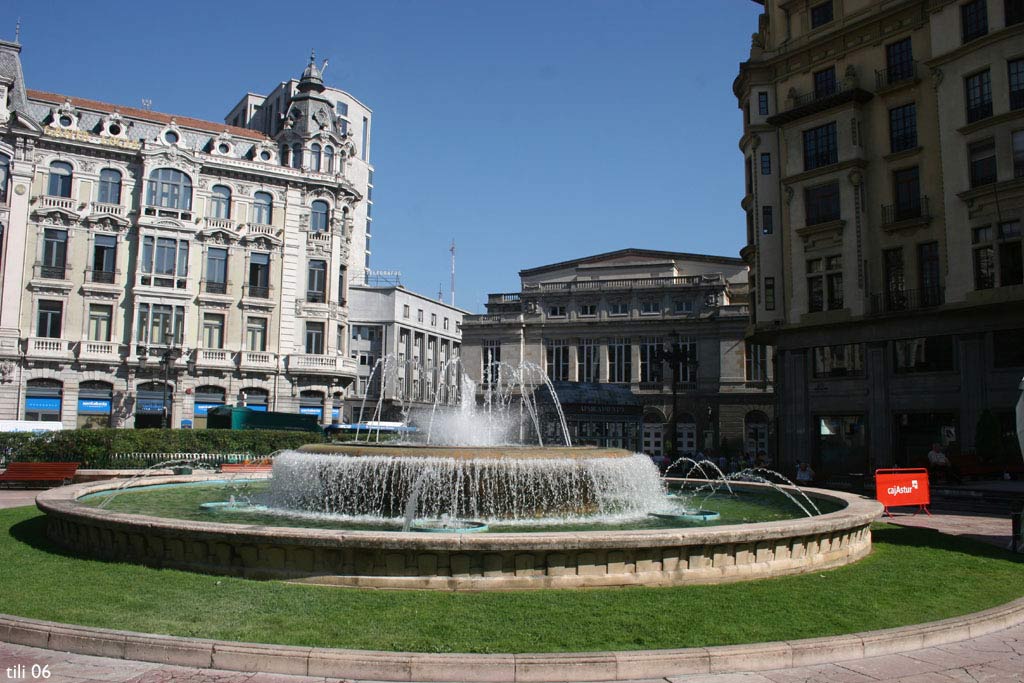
[155,266]
[666,326]
[884,193]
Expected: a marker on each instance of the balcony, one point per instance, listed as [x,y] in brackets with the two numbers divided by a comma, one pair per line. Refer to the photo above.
[220,224]
[819,100]
[63,203]
[897,74]
[979,112]
[907,300]
[103,277]
[107,209]
[215,287]
[315,297]
[214,358]
[45,272]
[315,364]
[47,348]
[258,292]
[626,284]
[99,351]
[262,229]
[257,360]
[915,211]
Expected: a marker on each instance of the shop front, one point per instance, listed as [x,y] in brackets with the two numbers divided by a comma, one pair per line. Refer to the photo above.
[95,400]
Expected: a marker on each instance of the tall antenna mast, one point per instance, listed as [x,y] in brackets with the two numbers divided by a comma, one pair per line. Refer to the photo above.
[452,250]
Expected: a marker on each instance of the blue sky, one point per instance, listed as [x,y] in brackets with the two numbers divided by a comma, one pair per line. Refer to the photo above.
[530,132]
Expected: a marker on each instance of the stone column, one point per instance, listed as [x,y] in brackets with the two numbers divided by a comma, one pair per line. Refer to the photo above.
[879,423]
[573,362]
[634,353]
[15,238]
[973,387]
[602,360]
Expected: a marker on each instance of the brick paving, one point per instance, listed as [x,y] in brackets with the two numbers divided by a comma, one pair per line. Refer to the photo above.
[994,658]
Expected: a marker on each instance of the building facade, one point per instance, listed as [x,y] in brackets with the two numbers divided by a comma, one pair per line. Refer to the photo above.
[667,325]
[155,266]
[884,163]
[405,345]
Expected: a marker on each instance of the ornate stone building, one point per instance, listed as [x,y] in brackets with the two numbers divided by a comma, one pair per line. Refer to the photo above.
[884,151]
[154,266]
[668,326]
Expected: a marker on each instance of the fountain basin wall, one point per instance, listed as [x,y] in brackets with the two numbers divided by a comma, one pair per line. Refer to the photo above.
[461,561]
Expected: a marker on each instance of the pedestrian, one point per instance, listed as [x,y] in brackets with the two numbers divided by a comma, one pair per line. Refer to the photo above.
[804,474]
[938,463]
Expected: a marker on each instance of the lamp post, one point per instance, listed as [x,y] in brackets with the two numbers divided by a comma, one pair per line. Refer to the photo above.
[167,357]
[677,356]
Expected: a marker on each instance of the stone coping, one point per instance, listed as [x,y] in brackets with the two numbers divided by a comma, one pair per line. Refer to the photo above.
[468,452]
[501,668]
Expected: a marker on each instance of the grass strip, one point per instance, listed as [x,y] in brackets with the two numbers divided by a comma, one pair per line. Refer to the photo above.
[912,576]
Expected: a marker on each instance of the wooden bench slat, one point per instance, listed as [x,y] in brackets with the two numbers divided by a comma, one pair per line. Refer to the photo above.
[39,471]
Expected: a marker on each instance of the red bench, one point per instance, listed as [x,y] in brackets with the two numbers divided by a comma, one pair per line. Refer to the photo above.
[246,467]
[25,472]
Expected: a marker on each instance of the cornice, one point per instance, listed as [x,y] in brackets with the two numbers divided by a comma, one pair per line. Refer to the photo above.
[825,170]
[990,121]
[976,44]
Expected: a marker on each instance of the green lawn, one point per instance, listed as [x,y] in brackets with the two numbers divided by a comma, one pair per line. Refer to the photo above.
[912,576]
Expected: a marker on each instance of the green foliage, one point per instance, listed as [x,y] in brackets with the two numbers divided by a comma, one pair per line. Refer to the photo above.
[988,439]
[96,448]
[912,576]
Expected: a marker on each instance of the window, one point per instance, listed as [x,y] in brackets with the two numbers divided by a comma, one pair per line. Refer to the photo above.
[824,83]
[1018,154]
[895,280]
[587,361]
[756,362]
[316,282]
[60,179]
[821,203]
[419,315]
[50,313]
[104,258]
[100,318]
[55,254]
[110,187]
[161,324]
[899,61]
[821,14]
[762,103]
[256,334]
[315,338]
[973,20]
[341,108]
[1011,266]
[169,188]
[1007,351]
[328,159]
[998,252]
[769,294]
[5,176]
[342,289]
[928,274]
[220,202]
[405,311]
[1015,73]
[556,356]
[557,311]
[820,146]
[1014,10]
[259,275]
[650,360]
[984,258]
[491,362]
[983,163]
[213,330]
[618,308]
[683,306]
[903,128]
[216,270]
[444,324]
[650,308]
[314,157]
[750,176]
[685,350]
[263,208]
[588,310]
[978,90]
[845,360]
[766,164]
[923,354]
[767,221]
[297,155]
[164,262]
[825,283]
[907,193]
[364,148]
[318,216]
[620,360]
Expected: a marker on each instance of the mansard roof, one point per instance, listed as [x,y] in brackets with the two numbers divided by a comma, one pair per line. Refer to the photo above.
[146,115]
[641,253]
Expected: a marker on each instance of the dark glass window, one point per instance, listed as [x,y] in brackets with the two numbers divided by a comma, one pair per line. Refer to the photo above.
[978,89]
[216,270]
[766,164]
[1011,265]
[314,156]
[1007,351]
[825,283]
[1015,72]
[104,258]
[318,216]
[259,275]
[110,186]
[1018,154]
[844,360]
[822,203]
[973,19]
[1014,11]
[899,61]
[821,14]
[769,294]
[169,189]
[907,193]
[895,281]
[220,202]
[5,174]
[923,354]
[60,179]
[762,103]
[820,148]
[316,282]
[903,127]
[928,273]
[314,338]
[328,159]
[767,221]
[263,208]
[983,163]
[825,82]
[48,323]
[984,258]
[55,253]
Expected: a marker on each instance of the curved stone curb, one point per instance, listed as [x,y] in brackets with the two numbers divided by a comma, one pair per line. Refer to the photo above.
[502,668]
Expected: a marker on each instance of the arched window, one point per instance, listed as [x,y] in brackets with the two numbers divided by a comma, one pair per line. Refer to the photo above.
[169,188]
[5,174]
[220,202]
[263,208]
[328,159]
[314,156]
[296,155]
[60,179]
[318,217]
[110,186]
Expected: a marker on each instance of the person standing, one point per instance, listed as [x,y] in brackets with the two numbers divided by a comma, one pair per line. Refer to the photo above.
[939,463]
[804,474]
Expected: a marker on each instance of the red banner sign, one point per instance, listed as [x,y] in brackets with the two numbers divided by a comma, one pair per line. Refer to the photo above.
[902,487]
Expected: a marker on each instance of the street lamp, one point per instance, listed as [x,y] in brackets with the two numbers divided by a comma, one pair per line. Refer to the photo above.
[677,356]
[166,359]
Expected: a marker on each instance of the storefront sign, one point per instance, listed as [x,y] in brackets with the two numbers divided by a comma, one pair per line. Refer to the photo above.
[150,407]
[202,409]
[94,405]
[42,404]
[258,407]
[311,410]
[903,487]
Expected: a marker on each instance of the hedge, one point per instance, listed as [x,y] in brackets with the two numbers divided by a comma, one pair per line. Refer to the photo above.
[97,448]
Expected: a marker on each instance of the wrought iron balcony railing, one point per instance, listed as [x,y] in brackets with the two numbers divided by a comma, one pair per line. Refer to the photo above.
[905,211]
[907,300]
[896,74]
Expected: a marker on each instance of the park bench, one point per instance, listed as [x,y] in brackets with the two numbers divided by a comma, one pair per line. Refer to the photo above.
[245,467]
[38,472]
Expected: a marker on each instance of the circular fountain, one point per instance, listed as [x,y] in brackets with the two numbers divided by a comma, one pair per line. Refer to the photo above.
[483,517]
